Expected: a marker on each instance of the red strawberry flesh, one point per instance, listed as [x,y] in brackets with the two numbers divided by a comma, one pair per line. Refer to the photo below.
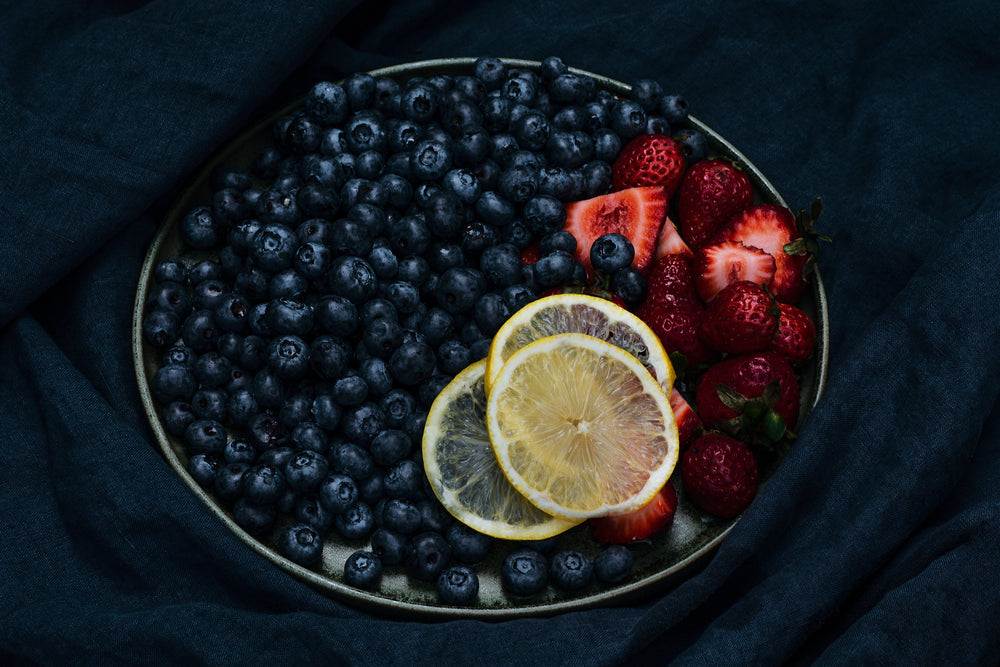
[651,519]
[637,213]
[721,264]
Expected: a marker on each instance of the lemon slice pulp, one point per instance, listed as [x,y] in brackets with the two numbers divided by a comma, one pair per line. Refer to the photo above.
[585,314]
[581,428]
[463,471]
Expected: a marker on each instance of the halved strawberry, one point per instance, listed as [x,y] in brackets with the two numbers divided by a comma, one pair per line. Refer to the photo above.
[720,264]
[654,517]
[649,159]
[670,241]
[771,228]
[710,193]
[688,421]
[637,213]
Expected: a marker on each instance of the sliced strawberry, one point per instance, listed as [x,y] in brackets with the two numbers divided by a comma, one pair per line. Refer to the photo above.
[795,335]
[670,241]
[636,213]
[651,519]
[727,262]
[771,228]
[711,192]
[688,421]
[649,159]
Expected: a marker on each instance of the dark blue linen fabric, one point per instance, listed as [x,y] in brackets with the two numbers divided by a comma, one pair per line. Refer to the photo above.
[878,540]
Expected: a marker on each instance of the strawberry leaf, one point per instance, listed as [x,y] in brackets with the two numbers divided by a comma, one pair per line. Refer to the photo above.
[731,398]
[773,426]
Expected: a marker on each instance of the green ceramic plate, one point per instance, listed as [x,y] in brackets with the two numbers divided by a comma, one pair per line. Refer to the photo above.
[693,536]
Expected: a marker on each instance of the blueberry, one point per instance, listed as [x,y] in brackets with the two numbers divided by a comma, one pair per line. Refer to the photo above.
[570,570]
[597,178]
[262,484]
[239,451]
[569,119]
[296,408]
[337,493]
[208,294]
[468,546]
[161,328]
[409,235]
[412,363]
[419,103]
[199,229]
[375,372]
[404,480]
[491,71]
[674,108]
[656,125]
[559,240]
[693,144]
[253,353]
[430,160]
[648,94]
[310,511]
[366,132]
[288,357]
[611,252]
[256,519]
[169,296]
[517,184]
[491,312]
[232,313]
[403,295]
[569,149]
[363,569]
[327,103]
[628,119]
[458,289]
[278,206]
[390,446]
[460,114]
[428,556]
[352,460]
[569,88]
[520,88]
[305,470]
[276,457]
[351,237]
[329,356]
[544,214]
[494,210]
[177,415]
[210,403]
[202,468]
[382,336]
[458,585]
[362,423]
[414,269]
[268,388]
[384,262]
[205,436]
[273,247]
[301,543]
[505,147]
[397,405]
[389,546]
[227,480]
[471,148]
[352,278]
[476,236]
[356,522]
[437,325]
[555,269]
[241,406]
[551,67]
[518,296]
[453,357]
[253,282]
[336,315]
[613,564]
[199,330]
[309,435]
[265,431]
[630,285]
[401,516]
[398,189]
[524,572]
[171,269]
[414,425]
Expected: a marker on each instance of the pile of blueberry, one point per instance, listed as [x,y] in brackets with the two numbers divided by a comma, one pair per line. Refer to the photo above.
[348,273]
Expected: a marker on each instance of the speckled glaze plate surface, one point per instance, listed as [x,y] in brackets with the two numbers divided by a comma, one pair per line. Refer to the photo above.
[665,558]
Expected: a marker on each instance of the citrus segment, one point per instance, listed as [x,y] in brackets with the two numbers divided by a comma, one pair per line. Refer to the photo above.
[463,470]
[580,427]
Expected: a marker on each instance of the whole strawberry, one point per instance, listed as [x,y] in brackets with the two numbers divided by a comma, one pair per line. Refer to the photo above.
[749,393]
[672,309]
[741,318]
[649,159]
[795,335]
[710,193]
[720,474]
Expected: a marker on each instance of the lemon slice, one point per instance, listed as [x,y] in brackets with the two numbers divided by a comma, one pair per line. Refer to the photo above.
[463,470]
[579,313]
[580,427]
